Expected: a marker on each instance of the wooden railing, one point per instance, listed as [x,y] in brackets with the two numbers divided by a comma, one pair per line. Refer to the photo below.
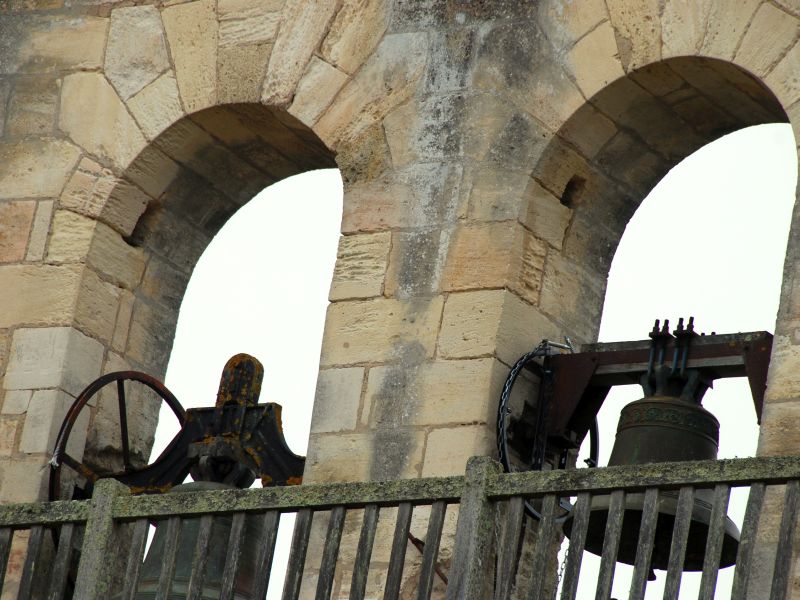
[94,549]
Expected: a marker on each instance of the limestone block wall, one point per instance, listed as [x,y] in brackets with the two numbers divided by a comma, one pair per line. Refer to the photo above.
[491,154]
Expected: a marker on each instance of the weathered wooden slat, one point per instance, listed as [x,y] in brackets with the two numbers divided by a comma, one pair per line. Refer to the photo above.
[6,535]
[61,562]
[508,548]
[297,555]
[716,535]
[644,552]
[608,560]
[266,551]
[397,558]
[330,553]
[135,557]
[677,551]
[577,541]
[99,543]
[232,558]
[44,513]
[544,538]
[358,583]
[469,575]
[433,538]
[170,558]
[783,555]
[200,558]
[31,560]
[734,472]
[318,497]
[747,539]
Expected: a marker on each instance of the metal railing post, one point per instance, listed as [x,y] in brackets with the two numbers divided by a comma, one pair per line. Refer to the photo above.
[473,559]
[98,552]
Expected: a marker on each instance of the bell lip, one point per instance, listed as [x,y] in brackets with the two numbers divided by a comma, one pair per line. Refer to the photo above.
[693,561]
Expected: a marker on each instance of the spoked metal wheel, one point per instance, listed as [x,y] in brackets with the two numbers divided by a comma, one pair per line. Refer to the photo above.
[119,379]
[535,361]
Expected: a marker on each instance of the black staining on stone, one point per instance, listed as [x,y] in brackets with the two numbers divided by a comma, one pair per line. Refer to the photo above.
[394,407]
[452,60]
[419,255]
[523,54]
[521,140]
[12,39]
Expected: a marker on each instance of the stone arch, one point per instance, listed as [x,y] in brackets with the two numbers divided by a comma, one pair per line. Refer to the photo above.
[611,152]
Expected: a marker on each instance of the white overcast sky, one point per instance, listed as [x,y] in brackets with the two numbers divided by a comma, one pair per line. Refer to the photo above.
[709,241]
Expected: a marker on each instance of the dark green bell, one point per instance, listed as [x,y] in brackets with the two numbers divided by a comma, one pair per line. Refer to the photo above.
[662,428]
[217,554]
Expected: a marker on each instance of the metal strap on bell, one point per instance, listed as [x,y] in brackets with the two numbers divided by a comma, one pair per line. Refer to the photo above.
[667,425]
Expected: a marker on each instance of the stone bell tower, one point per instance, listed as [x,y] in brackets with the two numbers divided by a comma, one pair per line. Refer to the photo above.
[492,153]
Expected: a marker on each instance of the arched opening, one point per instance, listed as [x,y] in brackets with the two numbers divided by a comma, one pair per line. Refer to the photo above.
[608,156]
[702,244]
[174,198]
[598,169]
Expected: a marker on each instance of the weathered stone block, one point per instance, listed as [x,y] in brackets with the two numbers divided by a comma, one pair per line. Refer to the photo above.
[316,90]
[445,392]
[379,330]
[241,71]
[38,294]
[497,194]
[32,108]
[337,400]
[528,268]
[15,228]
[377,206]
[137,52]
[354,33]
[784,79]
[15,402]
[95,118]
[415,263]
[53,43]
[304,25]
[546,216]
[725,28]
[360,266]
[470,324]
[425,133]
[637,24]
[522,327]
[124,207]
[8,435]
[23,480]
[480,256]
[253,26]
[46,412]
[53,357]
[595,60]
[385,81]
[70,237]
[36,168]
[683,26]
[39,231]
[448,450]
[96,307]
[192,34]
[114,258]
[771,32]
[567,22]
[779,433]
[572,295]
[157,106]
[359,456]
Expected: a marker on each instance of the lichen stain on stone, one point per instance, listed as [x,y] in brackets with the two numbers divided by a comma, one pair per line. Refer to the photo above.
[394,406]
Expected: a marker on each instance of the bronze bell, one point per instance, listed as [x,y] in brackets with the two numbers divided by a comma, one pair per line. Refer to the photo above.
[217,553]
[667,425]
